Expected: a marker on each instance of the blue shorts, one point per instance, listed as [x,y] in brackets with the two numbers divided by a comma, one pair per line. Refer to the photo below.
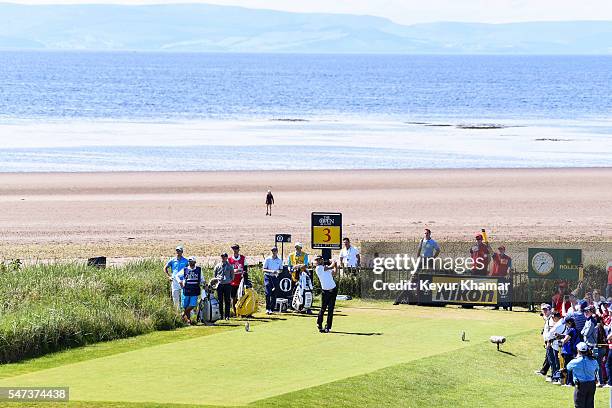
[189,301]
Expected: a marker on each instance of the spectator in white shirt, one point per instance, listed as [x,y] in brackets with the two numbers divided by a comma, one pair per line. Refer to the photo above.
[349,255]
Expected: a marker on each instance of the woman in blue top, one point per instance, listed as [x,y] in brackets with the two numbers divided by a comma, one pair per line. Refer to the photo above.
[568,350]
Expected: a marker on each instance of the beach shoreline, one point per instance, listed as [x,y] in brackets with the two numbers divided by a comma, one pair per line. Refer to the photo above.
[132,214]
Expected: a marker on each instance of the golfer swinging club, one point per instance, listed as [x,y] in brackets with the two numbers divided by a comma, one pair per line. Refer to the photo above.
[329,293]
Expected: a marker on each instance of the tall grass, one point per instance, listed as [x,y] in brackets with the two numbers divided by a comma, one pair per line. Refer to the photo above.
[46,308]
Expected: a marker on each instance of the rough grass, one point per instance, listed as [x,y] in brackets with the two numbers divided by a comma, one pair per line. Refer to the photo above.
[46,308]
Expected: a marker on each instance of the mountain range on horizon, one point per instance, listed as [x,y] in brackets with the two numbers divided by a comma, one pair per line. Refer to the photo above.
[214,28]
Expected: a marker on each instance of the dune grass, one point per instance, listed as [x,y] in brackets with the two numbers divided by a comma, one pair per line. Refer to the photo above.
[46,308]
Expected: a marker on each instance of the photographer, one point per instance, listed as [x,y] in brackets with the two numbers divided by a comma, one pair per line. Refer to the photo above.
[584,370]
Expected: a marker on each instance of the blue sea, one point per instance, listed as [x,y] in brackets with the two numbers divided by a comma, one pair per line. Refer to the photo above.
[89,111]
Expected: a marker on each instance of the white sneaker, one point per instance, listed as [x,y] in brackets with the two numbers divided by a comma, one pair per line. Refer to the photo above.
[538,372]
[567,385]
[548,379]
[607,386]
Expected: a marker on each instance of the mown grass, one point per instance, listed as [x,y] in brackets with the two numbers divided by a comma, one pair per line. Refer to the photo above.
[47,308]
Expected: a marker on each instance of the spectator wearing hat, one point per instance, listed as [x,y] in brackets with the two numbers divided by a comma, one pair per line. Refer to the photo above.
[298,257]
[548,324]
[172,268]
[584,370]
[553,345]
[191,280]
[428,249]
[329,291]
[239,264]
[224,271]
[480,253]
[272,266]
[589,331]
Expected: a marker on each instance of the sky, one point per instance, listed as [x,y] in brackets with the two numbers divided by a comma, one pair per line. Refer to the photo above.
[415,11]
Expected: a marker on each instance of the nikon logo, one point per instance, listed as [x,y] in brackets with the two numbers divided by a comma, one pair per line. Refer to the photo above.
[465,296]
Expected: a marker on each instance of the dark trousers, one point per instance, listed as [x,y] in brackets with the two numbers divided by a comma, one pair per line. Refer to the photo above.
[584,395]
[270,282]
[553,360]
[328,302]
[545,365]
[566,359]
[224,292]
[609,366]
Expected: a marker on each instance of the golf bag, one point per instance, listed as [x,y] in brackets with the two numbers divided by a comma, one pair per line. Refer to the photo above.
[302,298]
[247,299]
[208,311]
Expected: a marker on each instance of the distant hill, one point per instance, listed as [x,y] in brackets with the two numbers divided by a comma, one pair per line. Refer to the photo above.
[212,28]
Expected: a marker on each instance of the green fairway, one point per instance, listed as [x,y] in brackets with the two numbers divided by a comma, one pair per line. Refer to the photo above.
[379,356]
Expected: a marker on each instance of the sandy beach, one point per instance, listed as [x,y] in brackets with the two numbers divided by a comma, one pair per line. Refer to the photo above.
[76,215]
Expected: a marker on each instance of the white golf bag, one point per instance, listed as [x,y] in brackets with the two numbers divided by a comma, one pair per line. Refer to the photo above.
[208,311]
[302,298]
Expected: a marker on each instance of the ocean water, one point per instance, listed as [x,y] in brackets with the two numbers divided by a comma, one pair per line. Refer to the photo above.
[84,111]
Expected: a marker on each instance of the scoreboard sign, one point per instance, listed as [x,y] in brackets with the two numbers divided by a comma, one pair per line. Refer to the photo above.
[326,230]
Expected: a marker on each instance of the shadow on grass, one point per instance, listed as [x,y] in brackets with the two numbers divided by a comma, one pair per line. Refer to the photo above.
[357,333]
[507,352]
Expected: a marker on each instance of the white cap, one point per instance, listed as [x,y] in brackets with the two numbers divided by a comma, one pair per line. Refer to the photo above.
[299,244]
[180,248]
[582,346]
[192,259]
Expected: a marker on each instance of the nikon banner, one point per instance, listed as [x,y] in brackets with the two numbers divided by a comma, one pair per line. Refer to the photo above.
[469,290]
[554,263]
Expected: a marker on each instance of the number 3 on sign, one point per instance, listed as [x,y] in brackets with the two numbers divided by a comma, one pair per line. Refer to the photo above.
[326,235]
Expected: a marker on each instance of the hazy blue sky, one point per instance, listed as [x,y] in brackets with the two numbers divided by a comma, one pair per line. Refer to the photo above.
[415,11]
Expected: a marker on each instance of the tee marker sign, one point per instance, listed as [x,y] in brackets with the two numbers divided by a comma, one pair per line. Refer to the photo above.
[326,230]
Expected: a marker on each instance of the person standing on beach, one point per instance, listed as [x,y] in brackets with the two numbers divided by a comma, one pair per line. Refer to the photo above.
[269,203]
[224,271]
[172,268]
[329,291]
[271,268]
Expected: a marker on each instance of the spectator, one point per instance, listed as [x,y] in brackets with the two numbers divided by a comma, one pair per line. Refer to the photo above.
[349,255]
[568,347]
[480,256]
[578,316]
[224,271]
[548,324]
[584,370]
[560,301]
[602,350]
[271,268]
[552,346]
[269,203]
[298,257]
[191,280]
[172,268]
[502,263]
[589,331]
[239,264]
[428,249]
[609,285]
[597,298]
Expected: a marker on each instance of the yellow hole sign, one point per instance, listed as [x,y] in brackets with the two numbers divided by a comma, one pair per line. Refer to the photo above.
[326,230]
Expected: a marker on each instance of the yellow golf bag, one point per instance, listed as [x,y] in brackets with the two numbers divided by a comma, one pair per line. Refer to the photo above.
[247,300]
